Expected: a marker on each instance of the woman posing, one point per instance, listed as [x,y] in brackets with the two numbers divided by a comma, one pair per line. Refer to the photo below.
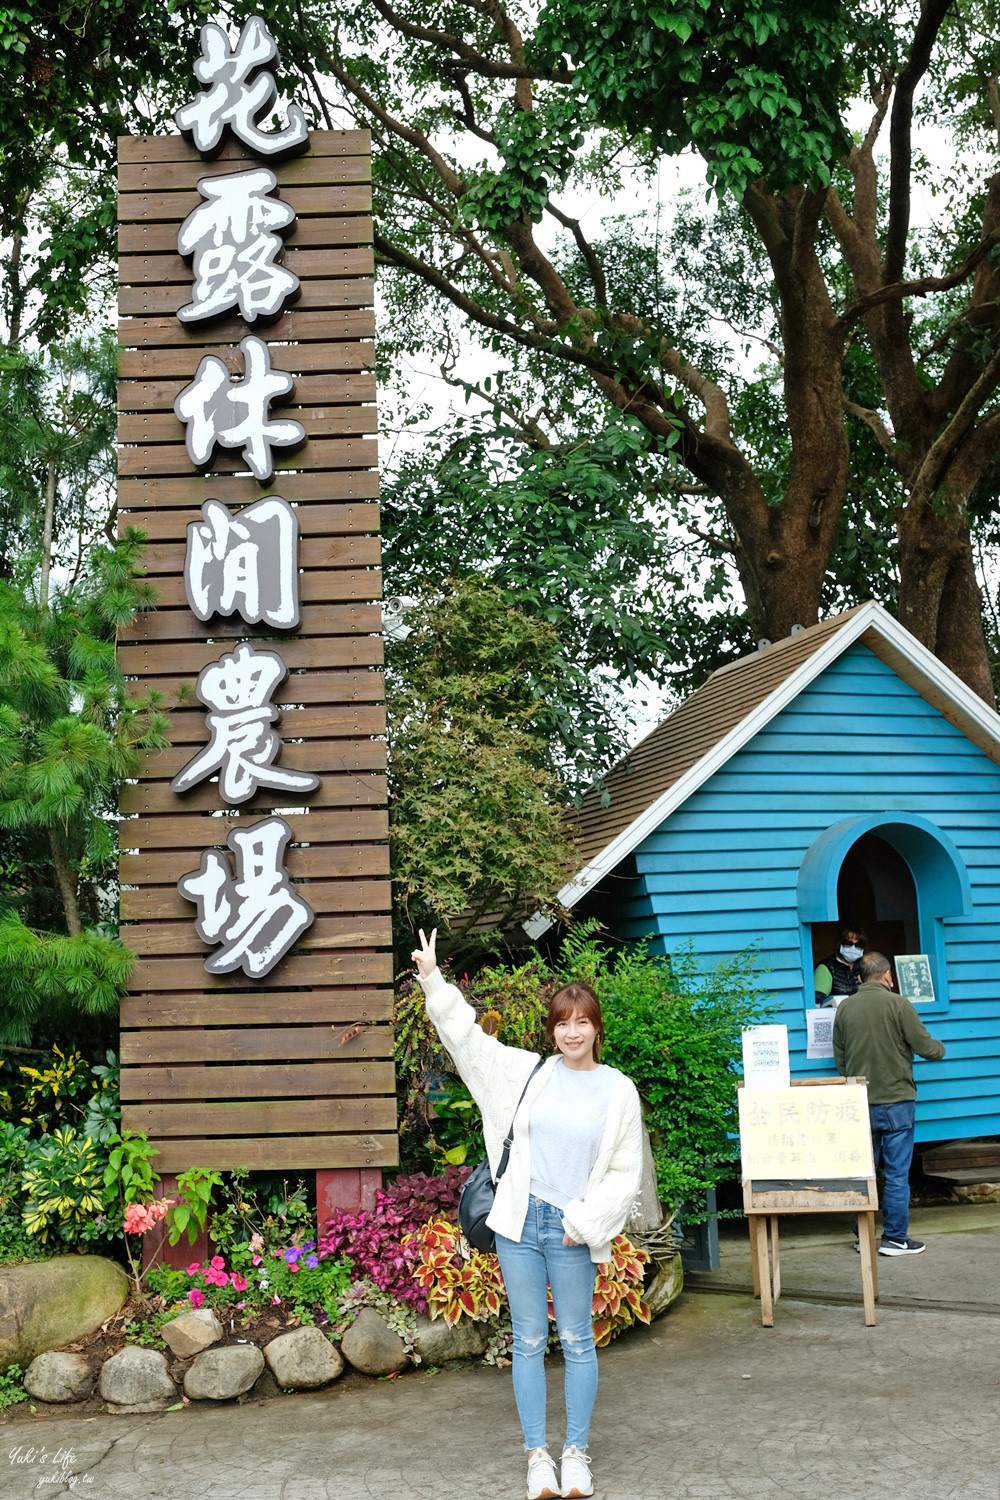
[570,1184]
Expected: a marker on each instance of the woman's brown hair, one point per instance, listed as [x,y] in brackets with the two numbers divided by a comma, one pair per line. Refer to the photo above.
[575,997]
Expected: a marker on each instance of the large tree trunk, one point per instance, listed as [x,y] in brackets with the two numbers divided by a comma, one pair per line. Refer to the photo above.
[939,595]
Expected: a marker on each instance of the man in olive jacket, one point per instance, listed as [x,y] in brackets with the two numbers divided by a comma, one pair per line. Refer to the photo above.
[875,1035]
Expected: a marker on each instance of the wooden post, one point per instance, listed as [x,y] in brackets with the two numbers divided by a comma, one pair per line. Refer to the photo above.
[350,1188]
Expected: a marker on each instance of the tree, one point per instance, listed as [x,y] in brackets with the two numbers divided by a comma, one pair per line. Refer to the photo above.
[69,729]
[483,116]
[475,805]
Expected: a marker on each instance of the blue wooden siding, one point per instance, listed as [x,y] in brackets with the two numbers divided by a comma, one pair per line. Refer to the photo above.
[723,869]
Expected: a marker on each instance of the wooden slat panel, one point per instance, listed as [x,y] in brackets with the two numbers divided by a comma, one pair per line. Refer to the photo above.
[276,1153]
[317,619]
[152,428]
[173,208]
[224,1070]
[341,826]
[264,1116]
[314,233]
[318,586]
[310,390]
[258,1081]
[165,148]
[359,790]
[318,862]
[252,1044]
[150,659]
[153,939]
[341,1008]
[178,178]
[308,264]
[348,349]
[314,296]
[329,453]
[187,726]
[297,969]
[166,902]
[365,685]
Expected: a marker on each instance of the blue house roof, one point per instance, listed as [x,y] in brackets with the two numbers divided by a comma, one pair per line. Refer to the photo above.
[729,826]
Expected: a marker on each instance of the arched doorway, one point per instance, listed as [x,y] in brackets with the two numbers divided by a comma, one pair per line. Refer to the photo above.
[897,876]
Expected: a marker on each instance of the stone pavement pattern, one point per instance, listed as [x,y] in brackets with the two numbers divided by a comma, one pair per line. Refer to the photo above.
[705,1405]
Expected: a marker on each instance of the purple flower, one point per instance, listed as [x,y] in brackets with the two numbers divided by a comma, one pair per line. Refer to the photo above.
[292,1254]
[311,1260]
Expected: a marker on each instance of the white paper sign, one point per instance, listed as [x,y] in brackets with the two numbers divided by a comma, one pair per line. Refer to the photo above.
[819,1032]
[765,1057]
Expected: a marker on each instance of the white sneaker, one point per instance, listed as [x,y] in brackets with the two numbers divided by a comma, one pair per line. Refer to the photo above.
[542,1481]
[576,1478]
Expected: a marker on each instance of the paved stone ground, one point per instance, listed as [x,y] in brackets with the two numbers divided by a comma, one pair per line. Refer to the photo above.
[705,1405]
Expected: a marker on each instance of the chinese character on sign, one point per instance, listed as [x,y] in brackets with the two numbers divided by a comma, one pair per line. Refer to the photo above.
[243,745]
[230,98]
[236,414]
[255,917]
[244,564]
[234,248]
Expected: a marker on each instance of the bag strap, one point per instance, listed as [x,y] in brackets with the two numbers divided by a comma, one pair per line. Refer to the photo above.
[509,1138]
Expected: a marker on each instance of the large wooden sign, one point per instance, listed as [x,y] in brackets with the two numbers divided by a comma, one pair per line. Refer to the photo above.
[254,859]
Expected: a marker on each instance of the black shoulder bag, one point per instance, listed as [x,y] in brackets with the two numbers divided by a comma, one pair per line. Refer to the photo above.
[476,1202]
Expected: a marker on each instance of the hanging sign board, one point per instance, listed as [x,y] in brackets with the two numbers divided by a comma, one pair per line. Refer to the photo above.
[254,860]
[913,977]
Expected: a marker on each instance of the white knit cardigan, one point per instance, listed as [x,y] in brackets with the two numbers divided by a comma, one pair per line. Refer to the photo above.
[495,1075]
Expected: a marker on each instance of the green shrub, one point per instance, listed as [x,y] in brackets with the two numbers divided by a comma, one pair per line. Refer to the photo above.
[672,1025]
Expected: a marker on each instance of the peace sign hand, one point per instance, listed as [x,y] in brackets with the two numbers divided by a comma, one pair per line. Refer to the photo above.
[425,957]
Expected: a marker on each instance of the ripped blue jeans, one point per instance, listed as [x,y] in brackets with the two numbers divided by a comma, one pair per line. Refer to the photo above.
[538,1261]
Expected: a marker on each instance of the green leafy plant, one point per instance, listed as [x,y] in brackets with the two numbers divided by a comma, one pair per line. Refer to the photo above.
[63,1185]
[189,1215]
[11,1387]
[260,1208]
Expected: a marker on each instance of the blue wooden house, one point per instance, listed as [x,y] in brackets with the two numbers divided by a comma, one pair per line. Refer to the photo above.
[842,775]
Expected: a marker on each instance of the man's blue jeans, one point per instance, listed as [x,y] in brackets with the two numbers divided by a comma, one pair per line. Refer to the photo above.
[538,1261]
[892,1138]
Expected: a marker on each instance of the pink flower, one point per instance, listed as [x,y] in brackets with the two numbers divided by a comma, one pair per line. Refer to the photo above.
[255,1260]
[294,1266]
[239,1282]
[217,1263]
[196,1296]
[276,1300]
[194,1268]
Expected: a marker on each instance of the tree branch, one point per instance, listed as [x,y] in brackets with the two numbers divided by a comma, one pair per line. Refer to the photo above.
[872,419]
[594,266]
[477,62]
[896,291]
[941,451]
[932,16]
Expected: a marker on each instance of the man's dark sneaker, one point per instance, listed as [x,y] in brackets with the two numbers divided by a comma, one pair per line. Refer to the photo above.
[901,1247]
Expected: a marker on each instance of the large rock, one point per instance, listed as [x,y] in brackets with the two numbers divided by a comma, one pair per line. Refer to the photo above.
[436,1343]
[371,1347]
[221,1374]
[59,1377]
[665,1287]
[303,1359]
[136,1379]
[192,1332]
[48,1303]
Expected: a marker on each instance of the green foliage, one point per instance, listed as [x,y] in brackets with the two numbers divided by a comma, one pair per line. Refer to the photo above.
[128,1175]
[755,87]
[675,1029]
[475,803]
[11,1387]
[564,537]
[672,1025]
[189,1215]
[63,1189]
[261,1207]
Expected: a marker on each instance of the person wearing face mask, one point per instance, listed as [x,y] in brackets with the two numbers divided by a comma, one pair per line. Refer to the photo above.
[837,976]
[572,1179]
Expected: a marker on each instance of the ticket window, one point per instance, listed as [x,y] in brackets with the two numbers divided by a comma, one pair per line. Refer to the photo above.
[876,892]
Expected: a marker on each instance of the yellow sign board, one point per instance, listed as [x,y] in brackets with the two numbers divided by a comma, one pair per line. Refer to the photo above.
[805,1133]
